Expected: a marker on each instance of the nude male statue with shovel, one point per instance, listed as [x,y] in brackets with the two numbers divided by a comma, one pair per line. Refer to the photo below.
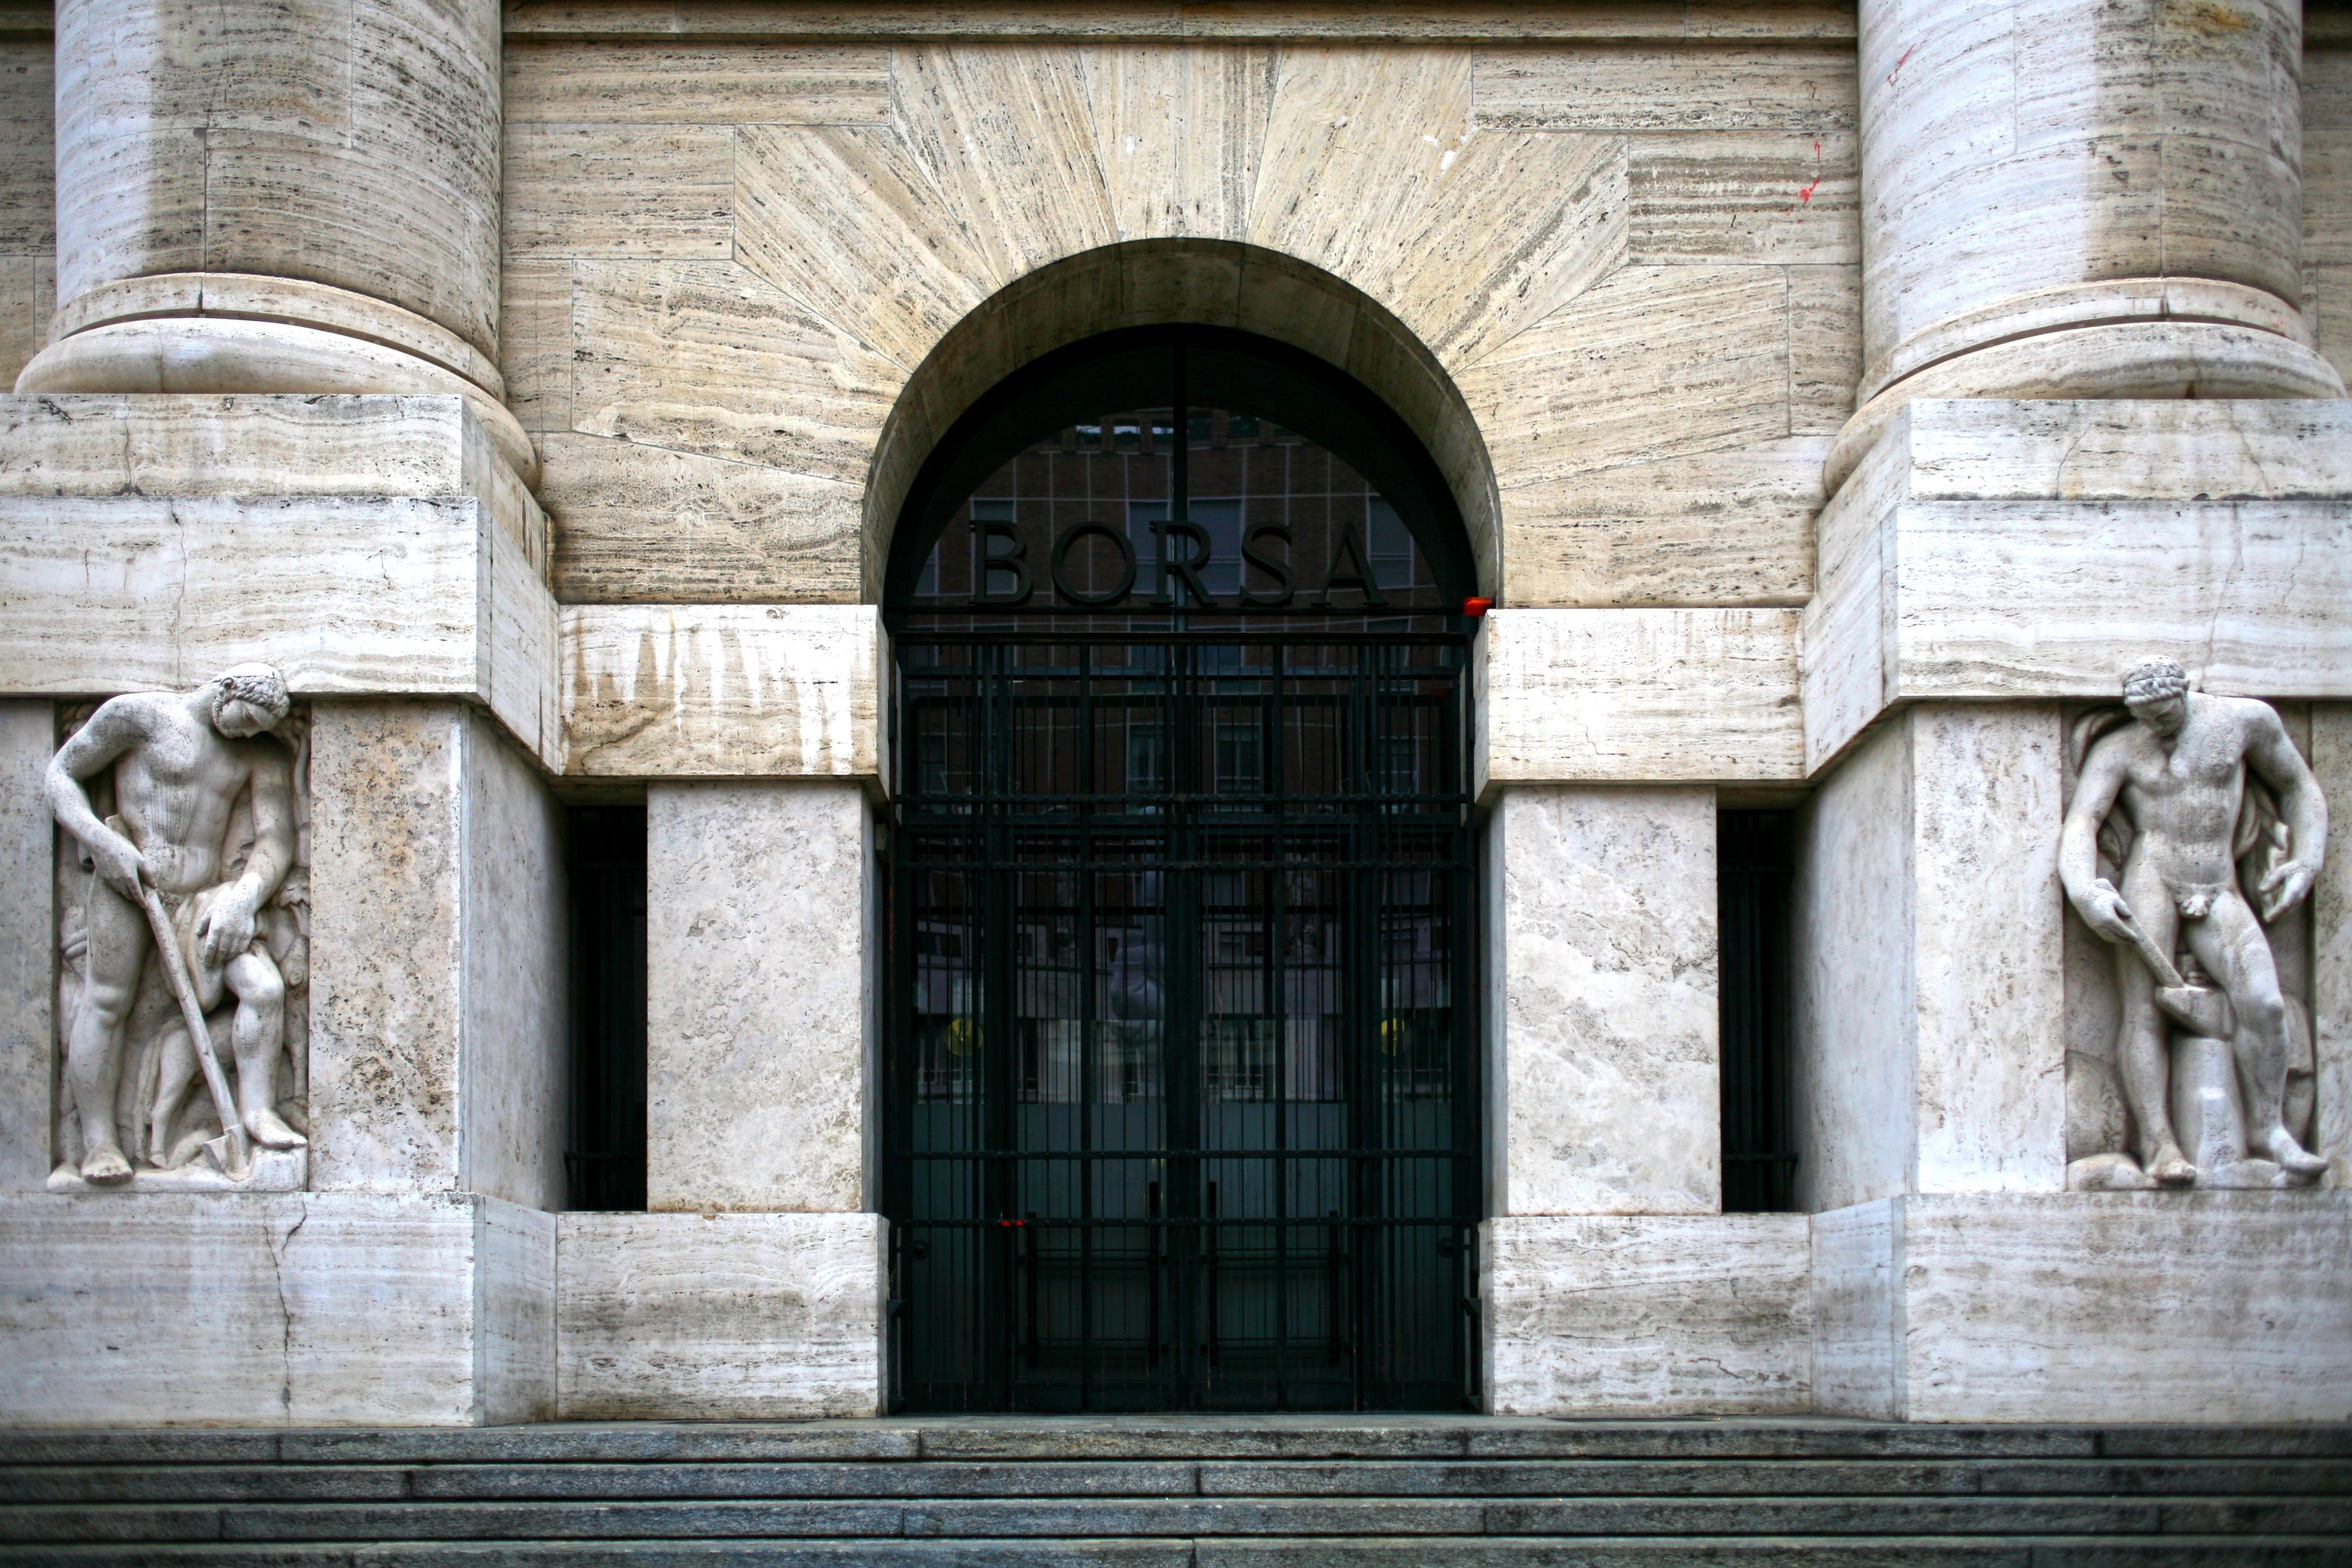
[181,762]
[2179,774]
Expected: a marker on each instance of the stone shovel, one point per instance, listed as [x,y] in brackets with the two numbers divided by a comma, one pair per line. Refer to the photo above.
[233,1150]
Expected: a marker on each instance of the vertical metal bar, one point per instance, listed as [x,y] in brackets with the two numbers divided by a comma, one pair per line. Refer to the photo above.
[1085,943]
[1180,1031]
[1467,998]
[995,1047]
[1277,1010]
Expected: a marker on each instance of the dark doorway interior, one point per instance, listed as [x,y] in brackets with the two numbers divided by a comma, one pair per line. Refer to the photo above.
[1180,1071]
[1756,876]
[605,1150]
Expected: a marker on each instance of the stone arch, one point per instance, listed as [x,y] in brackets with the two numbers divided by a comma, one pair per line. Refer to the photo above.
[1195,282]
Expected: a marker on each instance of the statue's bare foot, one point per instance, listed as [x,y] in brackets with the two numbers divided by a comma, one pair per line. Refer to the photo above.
[106,1164]
[2171,1168]
[269,1132]
[2291,1155]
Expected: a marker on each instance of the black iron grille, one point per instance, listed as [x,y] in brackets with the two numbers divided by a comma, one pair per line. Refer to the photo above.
[1181,1079]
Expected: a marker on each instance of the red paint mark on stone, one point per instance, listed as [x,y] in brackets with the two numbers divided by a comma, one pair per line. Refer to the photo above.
[1805,193]
[1900,63]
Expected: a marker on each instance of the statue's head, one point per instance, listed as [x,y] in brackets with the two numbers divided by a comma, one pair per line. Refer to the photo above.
[248,699]
[2156,691]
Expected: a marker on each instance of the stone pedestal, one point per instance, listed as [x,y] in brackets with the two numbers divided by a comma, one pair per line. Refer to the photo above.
[2109,1307]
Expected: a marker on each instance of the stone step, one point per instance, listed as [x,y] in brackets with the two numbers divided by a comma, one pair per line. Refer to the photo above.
[1112,1517]
[1266,1439]
[1208,1494]
[554,1480]
[1882,1552]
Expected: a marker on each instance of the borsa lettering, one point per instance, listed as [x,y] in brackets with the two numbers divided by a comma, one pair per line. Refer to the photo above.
[1008,580]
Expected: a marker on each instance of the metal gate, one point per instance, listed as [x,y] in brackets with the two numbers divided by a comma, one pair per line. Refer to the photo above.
[1182,1082]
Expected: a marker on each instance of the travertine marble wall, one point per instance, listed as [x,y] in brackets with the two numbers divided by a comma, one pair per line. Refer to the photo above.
[2331,968]
[1928,994]
[1602,920]
[365,545]
[28,737]
[724,261]
[1990,549]
[437,983]
[730,1317]
[1610,268]
[1649,1315]
[28,204]
[284,1309]
[724,691]
[626,161]
[759,938]
[2110,1307]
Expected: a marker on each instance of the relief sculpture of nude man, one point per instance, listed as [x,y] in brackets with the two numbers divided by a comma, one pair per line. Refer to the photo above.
[2179,776]
[181,762]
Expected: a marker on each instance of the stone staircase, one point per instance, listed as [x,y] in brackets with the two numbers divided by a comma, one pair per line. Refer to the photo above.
[1207,1492]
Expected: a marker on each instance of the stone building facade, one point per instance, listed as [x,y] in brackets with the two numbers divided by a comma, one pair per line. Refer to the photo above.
[1815,410]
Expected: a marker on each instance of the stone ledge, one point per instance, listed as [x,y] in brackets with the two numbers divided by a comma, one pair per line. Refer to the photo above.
[369,545]
[2000,549]
[1656,696]
[382,596]
[366,447]
[724,691]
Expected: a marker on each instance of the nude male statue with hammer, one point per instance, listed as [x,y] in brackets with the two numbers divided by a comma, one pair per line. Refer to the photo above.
[2180,775]
[181,762]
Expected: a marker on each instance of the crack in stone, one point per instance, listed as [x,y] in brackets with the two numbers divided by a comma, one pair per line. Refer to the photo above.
[180,595]
[285,1313]
[2221,598]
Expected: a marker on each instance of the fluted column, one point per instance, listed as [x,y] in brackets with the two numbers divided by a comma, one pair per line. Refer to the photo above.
[2080,198]
[293,198]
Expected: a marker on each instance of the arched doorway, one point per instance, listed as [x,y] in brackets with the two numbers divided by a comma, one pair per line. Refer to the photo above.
[1180,1072]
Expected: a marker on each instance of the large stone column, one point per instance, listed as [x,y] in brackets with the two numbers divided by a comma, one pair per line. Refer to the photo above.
[2080,198]
[279,199]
